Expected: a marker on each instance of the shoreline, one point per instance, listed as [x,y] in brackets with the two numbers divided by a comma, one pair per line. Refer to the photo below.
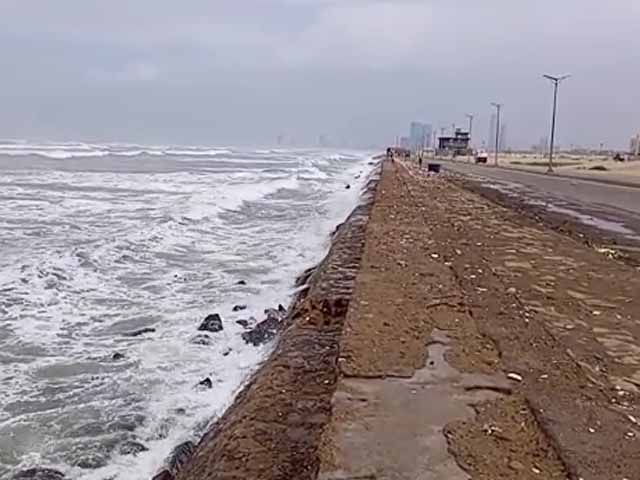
[318,308]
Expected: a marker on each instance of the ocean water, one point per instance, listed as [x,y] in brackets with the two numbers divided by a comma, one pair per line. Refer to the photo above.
[97,241]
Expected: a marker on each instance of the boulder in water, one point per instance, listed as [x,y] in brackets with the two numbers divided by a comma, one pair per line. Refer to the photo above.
[205,384]
[131,447]
[202,339]
[142,331]
[39,473]
[180,456]
[264,331]
[243,323]
[213,323]
[241,282]
[117,356]
[239,308]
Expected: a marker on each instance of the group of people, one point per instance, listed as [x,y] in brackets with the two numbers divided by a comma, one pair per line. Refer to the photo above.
[403,153]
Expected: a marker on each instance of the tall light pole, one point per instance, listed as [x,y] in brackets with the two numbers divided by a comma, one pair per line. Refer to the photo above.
[556,81]
[470,117]
[498,108]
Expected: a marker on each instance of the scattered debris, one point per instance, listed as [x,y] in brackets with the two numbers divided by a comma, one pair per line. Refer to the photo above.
[514,376]
[609,252]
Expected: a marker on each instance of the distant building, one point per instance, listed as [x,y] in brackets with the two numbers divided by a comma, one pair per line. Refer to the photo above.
[544,145]
[405,142]
[491,141]
[503,138]
[634,145]
[456,145]
[419,135]
[323,141]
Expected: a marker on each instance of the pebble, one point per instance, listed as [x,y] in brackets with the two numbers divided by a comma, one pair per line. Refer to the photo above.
[514,376]
[516,465]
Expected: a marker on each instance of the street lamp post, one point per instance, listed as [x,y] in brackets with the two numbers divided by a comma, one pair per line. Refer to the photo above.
[498,108]
[556,81]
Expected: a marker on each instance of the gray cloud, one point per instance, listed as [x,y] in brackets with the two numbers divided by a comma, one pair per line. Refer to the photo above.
[244,72]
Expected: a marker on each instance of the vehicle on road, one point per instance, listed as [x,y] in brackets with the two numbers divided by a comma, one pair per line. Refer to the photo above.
[482,156]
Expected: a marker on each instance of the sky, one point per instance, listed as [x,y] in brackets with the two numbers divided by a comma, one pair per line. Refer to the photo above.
[243,72]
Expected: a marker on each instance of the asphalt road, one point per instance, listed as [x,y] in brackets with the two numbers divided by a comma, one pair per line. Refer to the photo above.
[607,206]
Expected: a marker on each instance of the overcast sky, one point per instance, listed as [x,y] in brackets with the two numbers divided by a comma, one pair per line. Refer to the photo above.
[242,72]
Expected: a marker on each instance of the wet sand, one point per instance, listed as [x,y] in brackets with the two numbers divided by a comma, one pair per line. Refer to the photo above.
[444,337]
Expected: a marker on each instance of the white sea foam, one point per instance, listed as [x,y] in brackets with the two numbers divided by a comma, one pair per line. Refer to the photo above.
[92,253]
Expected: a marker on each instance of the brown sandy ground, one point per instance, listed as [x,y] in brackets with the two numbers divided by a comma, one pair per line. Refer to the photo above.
[503,295]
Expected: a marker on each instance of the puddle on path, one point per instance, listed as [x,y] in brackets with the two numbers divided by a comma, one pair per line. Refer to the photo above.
[392,428]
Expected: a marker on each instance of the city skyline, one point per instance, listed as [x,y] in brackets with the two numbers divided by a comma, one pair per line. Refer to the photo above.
[213,73]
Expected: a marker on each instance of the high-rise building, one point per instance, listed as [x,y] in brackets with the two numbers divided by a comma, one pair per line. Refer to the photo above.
[634,146]
[419,135]
[491,141]
[405,142]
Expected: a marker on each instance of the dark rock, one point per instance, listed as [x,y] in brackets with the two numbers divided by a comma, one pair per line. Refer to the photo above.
[239,308]
[39,473]
[243,323]
[142,331]
[206,383]
[347,186]
[117,356]
[599,168]
[241,282]
[163,475]
[180,456]
[131,447]
[264,331]
[213,323]
[202,339]
[180,411]
[281,308]
[227,352]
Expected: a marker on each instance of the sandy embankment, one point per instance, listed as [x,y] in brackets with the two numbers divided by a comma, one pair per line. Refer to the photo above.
[593,166]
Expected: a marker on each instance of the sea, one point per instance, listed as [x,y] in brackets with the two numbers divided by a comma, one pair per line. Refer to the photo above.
[101,240]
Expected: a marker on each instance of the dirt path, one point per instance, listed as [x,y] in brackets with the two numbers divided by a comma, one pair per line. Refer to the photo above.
[455,293]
